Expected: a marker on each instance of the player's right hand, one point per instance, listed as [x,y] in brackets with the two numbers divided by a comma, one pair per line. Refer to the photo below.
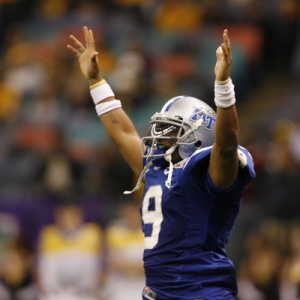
[87,56]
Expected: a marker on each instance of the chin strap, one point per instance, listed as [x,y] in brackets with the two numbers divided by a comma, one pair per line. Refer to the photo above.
[139,182]
[168,158]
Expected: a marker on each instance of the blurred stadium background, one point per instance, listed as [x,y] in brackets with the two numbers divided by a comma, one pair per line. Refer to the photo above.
[53,148]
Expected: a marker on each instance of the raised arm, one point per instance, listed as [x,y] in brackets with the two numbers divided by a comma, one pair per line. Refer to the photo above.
[223,167]
[116,122]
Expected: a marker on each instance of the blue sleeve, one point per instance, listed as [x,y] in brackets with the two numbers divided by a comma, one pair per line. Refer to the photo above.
[245,174]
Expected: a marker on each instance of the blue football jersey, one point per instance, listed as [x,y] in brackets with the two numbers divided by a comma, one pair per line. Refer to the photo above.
[186,227]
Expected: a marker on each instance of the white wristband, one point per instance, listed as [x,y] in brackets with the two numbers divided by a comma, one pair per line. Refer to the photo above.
[105,107]
[101,92]
[224,94]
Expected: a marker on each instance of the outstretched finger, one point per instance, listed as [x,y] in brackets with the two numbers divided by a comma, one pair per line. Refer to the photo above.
[225,50]
[91,37]
[88,36]
[226,40]
[77,43]
[75,51]
[85,33]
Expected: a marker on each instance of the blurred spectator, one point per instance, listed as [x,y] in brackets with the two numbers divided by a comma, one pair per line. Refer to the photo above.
[9,230]
[17,280]
[12,12]
[70,259]
[294,141]
[279,21]
[125,249]
[259,272]
[112,170]
[290,287]
[58,172]
[52,9]
[179,16]
[23,73]
[10,101]
[278,183]
[128,78]
[45,108]
[129,3]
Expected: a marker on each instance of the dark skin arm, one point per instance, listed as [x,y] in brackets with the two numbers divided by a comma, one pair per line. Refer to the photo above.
[117,124]
[223,166]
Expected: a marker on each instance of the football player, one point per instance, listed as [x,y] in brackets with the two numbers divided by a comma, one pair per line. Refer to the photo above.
[195,174]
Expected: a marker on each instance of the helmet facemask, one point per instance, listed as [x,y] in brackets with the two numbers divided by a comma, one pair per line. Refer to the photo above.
[165,128]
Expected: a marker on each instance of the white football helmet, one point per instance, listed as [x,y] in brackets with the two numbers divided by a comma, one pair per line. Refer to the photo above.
[186,122]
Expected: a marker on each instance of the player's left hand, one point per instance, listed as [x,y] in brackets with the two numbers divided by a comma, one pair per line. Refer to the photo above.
[223,54]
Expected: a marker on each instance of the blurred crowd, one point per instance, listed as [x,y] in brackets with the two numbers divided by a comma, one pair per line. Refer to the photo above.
[66,229]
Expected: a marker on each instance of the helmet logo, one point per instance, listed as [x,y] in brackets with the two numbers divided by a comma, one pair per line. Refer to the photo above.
[204,114]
